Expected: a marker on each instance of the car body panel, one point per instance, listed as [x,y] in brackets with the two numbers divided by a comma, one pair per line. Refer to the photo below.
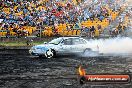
[62,45]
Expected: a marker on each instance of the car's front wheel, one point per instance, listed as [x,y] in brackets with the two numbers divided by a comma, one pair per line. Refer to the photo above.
[49,54]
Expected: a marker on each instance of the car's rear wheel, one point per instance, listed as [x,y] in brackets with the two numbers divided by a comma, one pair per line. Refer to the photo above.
[87,51]
[50,54]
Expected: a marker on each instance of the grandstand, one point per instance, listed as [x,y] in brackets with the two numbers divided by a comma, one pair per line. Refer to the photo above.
[61,17]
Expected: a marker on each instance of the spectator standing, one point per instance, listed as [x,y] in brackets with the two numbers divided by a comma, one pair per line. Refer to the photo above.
[92,31]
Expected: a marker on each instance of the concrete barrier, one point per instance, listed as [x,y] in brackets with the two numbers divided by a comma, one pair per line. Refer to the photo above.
[15,47]
[14,50]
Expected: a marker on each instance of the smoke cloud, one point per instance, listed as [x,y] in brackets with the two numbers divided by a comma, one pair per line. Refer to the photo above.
[113,46]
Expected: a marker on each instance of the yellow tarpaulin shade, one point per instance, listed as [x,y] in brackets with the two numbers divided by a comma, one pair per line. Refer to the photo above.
[74,1]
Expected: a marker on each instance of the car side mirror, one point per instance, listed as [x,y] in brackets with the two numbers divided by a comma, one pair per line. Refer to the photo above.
[45,42]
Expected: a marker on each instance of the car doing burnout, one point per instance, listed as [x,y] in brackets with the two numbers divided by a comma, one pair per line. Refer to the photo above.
[62,45]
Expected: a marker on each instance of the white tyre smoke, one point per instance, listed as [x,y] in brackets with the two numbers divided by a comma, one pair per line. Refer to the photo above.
[114,45]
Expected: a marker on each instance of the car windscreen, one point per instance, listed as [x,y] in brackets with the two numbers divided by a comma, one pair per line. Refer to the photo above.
[55,41]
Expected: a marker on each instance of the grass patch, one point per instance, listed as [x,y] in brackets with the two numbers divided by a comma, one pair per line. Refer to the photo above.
[22,43]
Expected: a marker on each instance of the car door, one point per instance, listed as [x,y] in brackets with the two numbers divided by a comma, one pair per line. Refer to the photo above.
[66,46]
[78,45]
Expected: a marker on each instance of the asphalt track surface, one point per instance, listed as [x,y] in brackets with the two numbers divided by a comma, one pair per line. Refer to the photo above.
[20,70]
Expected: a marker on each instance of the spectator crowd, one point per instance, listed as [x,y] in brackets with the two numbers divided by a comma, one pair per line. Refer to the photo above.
[17,14]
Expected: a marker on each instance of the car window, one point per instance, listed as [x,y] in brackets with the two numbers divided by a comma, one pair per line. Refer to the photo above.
[78,41]
[82,41]
[67,42]
[55,41]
